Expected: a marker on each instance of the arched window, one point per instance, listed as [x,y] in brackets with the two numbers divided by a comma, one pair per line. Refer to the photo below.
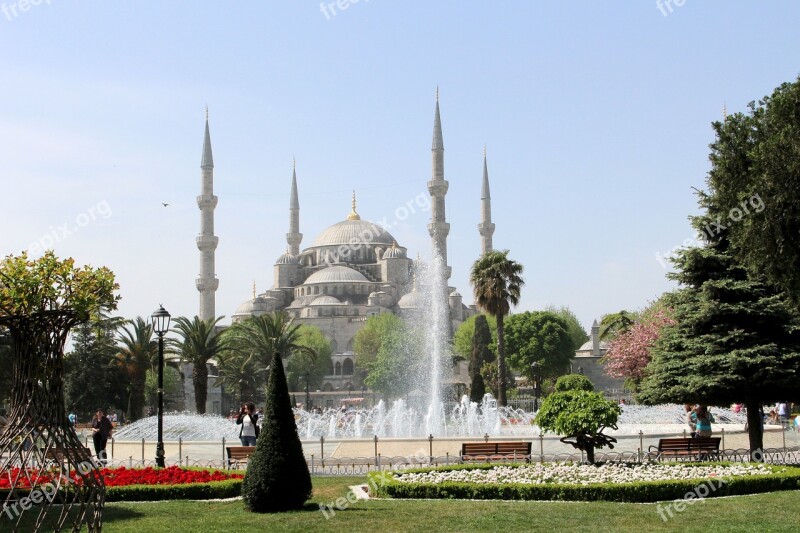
[347,367]
[338,369]
[328,387]
[330,368]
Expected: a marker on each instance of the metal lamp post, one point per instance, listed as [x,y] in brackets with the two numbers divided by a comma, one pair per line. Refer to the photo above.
[308,397]
[536,389]
[160,327]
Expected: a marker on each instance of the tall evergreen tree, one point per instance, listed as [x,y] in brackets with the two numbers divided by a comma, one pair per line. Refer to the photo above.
[481,354]
[277,477]
[735,337]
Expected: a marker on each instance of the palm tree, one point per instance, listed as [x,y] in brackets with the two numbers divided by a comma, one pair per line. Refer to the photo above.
[242,373]
[261,336]
[497,282]
[197,345]
[136,356]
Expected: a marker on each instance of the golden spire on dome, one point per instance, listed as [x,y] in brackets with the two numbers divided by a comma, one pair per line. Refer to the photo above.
[353,215]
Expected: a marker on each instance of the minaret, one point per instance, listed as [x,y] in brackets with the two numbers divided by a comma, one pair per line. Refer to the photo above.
[207,281]
[486,227]
[294,237]
[437,187]
[595,338]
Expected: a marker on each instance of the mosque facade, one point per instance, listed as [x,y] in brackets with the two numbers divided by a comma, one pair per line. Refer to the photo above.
[354,269]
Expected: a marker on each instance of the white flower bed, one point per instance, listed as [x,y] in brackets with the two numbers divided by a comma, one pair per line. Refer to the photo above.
[573,474]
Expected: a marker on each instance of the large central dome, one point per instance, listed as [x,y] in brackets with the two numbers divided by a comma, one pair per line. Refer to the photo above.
[352,232]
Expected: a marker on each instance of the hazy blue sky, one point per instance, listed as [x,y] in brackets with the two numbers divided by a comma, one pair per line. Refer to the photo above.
[596,116]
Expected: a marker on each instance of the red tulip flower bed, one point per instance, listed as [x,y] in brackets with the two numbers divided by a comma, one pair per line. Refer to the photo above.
[149,483]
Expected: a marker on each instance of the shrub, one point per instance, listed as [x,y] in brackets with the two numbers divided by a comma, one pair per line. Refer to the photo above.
[574,382]
[277,477]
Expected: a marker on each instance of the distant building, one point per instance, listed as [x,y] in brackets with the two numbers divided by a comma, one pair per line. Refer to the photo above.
[588,361]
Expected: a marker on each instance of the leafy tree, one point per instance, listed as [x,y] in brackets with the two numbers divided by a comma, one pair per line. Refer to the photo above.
[615,324]
[576,331]
[541,337]
[480,354]
[398,359]
[574,382]
[462,339]
[736,337]
[137,354]
[497,282]
[6,366]
[172,383]
[629,352]
[91,379]
[755,183]
[491,377]
[198,343]
[367,342]
[581,416]
[277,477]
[314,362]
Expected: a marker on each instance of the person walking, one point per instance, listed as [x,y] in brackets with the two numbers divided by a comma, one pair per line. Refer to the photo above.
[248,419]
[101,431]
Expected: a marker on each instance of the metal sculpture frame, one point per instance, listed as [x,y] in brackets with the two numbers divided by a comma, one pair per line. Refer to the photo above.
[51,475]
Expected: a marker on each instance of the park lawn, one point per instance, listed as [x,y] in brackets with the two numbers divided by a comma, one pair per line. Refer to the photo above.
[758,513]
[763,512]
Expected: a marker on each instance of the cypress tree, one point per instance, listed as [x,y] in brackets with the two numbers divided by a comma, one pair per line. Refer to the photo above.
[277,477]
[481,353]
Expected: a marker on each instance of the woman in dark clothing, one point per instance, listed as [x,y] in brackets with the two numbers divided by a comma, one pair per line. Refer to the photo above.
[248,419]
[101,431]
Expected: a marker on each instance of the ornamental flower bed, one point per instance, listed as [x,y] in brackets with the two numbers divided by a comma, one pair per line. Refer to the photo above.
[121,477]
[572,474]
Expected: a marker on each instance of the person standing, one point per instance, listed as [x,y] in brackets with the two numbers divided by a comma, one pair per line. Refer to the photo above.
[101,431]
[783,412]
[248,419]
[702,418]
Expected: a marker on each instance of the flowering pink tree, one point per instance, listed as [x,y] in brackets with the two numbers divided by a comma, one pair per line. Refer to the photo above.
[629,353]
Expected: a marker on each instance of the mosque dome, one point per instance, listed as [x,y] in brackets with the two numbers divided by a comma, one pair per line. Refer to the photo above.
[587,346]
[336,274]
[256,305]
[353,232]
[394,252]
[286,259]
[326,300]
[412,300]
[455,294]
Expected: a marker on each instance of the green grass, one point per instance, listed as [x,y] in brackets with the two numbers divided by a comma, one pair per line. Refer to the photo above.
[762,512]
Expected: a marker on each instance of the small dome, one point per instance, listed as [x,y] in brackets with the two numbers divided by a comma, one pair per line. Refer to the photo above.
[326,300]
[587,346]
[335,274]
[455,294]
[286,259]
[394,252]
[250,307]
[412,300]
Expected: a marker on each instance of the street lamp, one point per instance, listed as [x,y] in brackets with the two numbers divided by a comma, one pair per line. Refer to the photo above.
[536,388]
[160,327]
[308,398]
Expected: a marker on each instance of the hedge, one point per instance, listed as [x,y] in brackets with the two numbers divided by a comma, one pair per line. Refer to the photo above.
[782,478]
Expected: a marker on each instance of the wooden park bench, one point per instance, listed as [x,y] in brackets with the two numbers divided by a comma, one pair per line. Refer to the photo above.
[494,451]
[699,448]
[238,455]
[59,455]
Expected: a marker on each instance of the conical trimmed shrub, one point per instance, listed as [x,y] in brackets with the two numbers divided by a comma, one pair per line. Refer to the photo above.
[277,477]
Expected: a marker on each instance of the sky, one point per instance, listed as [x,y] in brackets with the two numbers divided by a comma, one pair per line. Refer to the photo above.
[596,117]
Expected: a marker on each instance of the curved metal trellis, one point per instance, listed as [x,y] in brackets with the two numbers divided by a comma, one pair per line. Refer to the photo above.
[50,474]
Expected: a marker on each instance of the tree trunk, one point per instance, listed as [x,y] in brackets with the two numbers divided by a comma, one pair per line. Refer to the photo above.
[590,454]
[501,362]
[755,430]
[200,382]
